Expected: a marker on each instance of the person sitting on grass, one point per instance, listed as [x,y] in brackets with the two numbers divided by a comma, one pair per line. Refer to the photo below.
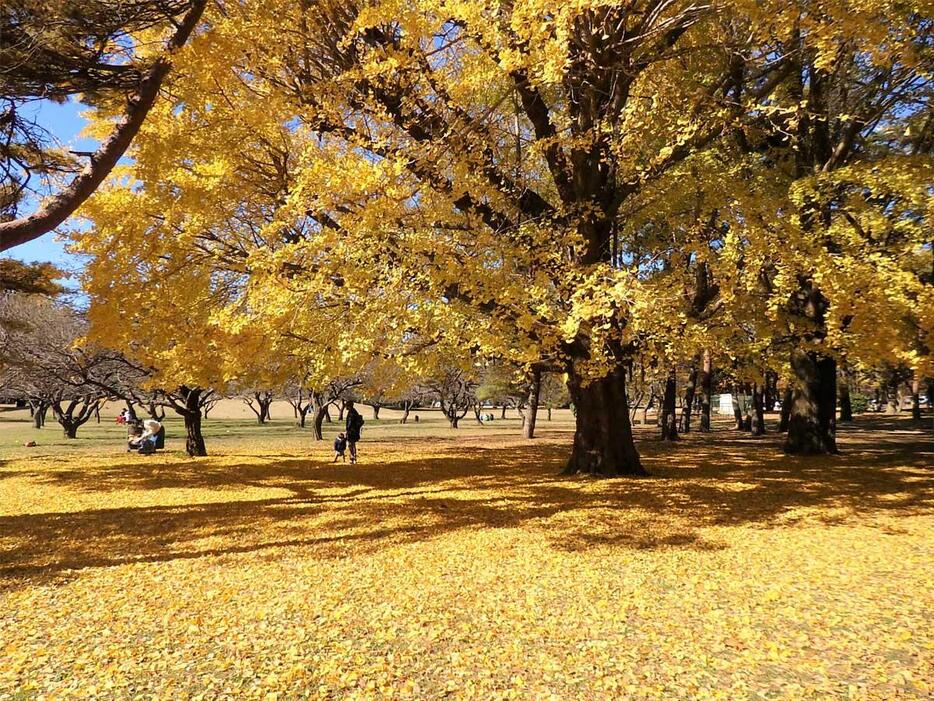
[340,448]
[146,443]
[134,429]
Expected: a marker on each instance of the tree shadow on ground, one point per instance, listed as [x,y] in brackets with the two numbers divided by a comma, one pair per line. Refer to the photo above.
[328,510]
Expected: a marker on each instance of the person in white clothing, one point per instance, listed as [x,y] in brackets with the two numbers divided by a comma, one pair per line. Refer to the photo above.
[146,443]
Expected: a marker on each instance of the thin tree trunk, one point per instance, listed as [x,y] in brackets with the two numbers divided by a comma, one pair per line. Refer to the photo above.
[669,410]
[812,425]
[893,400]
[758,411]
[737,409]
[406,408]
[603,440]
[689,391]
[531,415]
[916,397]
[39,414]
[786,410]
[503,414]
[706,385]
[846,405]
[648,405]
[771,390]
[317,423]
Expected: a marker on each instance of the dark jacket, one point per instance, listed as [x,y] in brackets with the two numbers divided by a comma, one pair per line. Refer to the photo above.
[354,424]
[340,444]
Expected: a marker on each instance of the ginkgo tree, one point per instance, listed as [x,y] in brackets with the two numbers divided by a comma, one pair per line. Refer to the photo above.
[371,179]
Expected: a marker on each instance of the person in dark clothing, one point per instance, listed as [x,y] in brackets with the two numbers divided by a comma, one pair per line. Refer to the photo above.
[354,425]
[340,448]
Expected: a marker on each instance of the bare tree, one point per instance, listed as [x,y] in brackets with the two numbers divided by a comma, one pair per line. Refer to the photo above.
[45,364]
[259,401]
[455,391]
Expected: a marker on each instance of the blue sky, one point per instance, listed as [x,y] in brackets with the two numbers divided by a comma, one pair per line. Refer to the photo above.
[65,124]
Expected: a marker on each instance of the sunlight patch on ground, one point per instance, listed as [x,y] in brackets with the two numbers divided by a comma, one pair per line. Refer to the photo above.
[470,571]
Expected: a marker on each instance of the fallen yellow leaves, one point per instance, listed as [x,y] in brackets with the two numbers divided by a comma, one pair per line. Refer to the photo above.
[475,573]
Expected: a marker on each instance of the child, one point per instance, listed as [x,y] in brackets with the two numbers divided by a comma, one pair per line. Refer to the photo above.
[340,448]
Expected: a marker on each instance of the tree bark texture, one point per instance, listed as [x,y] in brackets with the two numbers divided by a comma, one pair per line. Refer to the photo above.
[812,424]
[603,440]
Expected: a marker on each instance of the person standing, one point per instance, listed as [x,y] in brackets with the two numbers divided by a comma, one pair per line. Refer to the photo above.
[353,427]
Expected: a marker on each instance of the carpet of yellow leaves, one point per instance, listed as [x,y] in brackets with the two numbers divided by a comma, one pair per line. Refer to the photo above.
[469,569]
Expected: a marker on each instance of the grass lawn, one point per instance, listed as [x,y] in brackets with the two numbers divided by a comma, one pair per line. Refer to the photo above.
[458,564]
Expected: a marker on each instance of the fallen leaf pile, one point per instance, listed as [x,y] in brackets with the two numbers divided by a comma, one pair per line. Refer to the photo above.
[471,570]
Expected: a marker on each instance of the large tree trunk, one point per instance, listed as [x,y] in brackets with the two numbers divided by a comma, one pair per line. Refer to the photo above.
[531,415]
[812,425]
[786,410]
[69,429]
[669,410]
[406,408]
[689,393]
[603,441]
[194,439]
[758,411]
[190,411]
[706,385]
